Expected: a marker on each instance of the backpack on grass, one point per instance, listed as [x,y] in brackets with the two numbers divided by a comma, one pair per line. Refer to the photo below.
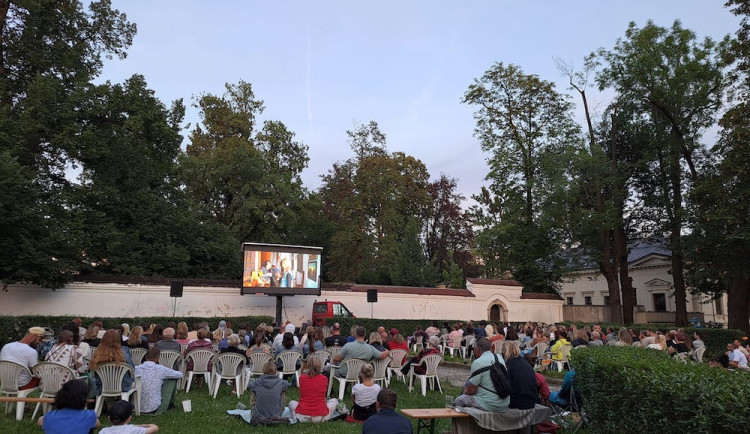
[499,377]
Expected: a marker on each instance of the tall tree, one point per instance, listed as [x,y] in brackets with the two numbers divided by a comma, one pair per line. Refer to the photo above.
[529,129]
[248,179]
[448,233]
[50,51]
[719,243]
[679,85]
[412,268]
[370,198]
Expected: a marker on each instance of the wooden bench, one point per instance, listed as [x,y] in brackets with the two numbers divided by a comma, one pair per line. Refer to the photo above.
[426,416]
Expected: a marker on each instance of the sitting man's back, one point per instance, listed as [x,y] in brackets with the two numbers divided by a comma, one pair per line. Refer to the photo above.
[386,420]
[480,390]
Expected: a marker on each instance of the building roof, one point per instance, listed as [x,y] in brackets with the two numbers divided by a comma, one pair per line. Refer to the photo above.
[385,289]
[637,250]
[498,282]
[540,296]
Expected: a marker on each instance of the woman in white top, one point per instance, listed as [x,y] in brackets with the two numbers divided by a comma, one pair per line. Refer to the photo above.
[660,345]
[365,394]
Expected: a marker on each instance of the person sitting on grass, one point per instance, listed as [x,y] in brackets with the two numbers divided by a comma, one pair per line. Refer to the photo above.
[120,415]
[268,388]
[159,388]
[386,420]
[364,395]
[312,405]
[70,415]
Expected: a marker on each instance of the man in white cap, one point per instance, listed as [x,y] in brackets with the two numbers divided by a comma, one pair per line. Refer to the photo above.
[24,353]
[288,328]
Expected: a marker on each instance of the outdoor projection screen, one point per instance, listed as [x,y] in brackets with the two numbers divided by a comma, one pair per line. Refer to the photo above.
[274,269]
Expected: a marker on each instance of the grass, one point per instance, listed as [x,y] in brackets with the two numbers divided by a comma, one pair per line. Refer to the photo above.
[209,415]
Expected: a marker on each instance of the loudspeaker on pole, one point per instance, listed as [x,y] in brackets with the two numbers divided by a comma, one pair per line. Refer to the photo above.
[372,295]
[175,290]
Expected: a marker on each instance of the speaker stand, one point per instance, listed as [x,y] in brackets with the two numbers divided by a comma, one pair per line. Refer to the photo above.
[174,306]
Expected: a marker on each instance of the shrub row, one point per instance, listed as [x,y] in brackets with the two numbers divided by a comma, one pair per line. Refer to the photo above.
[13,328]
[628,389]
[716,340]
[405,326]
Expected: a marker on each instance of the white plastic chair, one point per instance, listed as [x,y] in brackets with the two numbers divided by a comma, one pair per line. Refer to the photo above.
[454,345]
[9,373]
[398,358]
[173,360]
[289,361]
[229,366]
[353,367]
[697,354]
[380,367]
[257,360]
[137,355]
[497,347]
[431,363]
[565,350]
[111,375]
[200,358]
[466,342]
[418,344]
[52,376]
[322,355]
[444,343]
[334,350]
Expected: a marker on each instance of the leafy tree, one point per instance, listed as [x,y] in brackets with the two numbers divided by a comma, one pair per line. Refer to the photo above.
[719,243]
[248,180]
[447,226]
[454,276]
[678,85]
[370,199]
[412,268]
[49,53]
[528,128]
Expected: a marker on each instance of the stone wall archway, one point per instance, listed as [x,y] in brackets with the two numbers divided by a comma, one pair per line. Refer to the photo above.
[497,311]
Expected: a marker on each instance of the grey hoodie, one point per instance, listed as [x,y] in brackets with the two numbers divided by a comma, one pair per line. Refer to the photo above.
[268,401]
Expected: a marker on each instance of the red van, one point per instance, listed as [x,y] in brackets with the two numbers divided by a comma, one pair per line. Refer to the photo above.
[329,309]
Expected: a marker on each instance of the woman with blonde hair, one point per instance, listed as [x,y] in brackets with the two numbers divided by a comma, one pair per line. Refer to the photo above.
[523,386]
[624,338]
[91,336]
[182,333]
[125,331]
[312,405]
[111,350]
[660,345]
[364,395]
[135,340]
[287,280]
[376,341]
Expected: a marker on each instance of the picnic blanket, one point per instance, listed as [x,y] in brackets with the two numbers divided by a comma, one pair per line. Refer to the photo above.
[247,414]
[510,419]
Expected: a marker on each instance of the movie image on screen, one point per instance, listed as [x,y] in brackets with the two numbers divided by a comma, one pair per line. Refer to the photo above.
[274,269]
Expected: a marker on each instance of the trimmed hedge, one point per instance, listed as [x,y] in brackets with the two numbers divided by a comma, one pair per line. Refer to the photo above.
[627,389]
[12,328]
[716,340]
[405,326]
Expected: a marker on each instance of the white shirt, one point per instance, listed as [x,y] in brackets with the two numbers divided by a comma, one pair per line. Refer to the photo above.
[123,429]
[153,376]
[739,357]
[22,354]
[365,395]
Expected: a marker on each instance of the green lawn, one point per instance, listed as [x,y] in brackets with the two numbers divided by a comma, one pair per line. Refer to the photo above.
[209,415]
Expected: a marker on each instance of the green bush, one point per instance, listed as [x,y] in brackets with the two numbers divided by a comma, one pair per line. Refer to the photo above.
[405,326]
[627,389]
[13,328]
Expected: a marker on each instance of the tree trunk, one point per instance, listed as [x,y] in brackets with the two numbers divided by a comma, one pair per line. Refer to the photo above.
[626,283]
[608,268]
[675,179]
[739,302]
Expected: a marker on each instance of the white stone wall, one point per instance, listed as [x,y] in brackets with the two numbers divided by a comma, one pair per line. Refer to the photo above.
[130,300]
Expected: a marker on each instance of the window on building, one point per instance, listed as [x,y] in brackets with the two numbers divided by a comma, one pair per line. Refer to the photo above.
[587,300]
[660,302]
[719,306]
[570,300]
[606,300]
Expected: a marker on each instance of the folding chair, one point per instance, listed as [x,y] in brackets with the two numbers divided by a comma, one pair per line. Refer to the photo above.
[570,417]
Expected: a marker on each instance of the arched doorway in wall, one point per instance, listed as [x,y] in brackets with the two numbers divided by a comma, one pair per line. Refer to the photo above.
[497,311]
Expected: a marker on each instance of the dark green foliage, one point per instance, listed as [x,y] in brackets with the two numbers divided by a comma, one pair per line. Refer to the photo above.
[628,389]
[412,267]
[13,328]
[405,326]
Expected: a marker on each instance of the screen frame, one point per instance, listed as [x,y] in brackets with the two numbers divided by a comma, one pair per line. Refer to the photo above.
[287,249]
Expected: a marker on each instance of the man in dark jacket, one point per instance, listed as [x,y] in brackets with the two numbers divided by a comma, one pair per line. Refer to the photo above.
[386,420]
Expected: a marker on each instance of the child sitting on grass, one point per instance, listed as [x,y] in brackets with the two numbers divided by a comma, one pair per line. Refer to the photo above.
[70,414]
[120,415]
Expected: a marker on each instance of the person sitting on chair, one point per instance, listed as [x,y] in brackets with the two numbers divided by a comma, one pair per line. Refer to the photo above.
[432,348]
[562,398]
[167,341]
[479,391]
[24,353]
[159,384]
